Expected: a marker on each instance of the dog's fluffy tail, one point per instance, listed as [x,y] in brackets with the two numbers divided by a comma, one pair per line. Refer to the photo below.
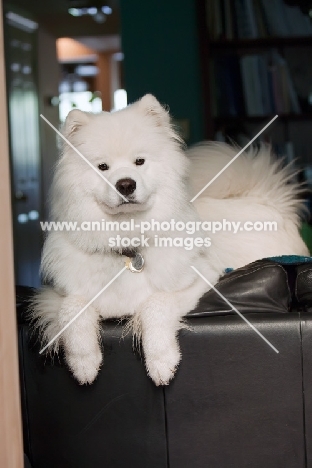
[256,173]
[43,311]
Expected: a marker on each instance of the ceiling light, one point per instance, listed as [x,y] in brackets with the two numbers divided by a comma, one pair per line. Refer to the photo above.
[118,56]
[86,70]
[92,11]
[107,10]
[21,22]
[75,11]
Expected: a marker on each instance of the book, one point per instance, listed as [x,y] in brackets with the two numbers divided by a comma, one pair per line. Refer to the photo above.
[214,18]
[261,25]
[266,96]
[277,92]
[218,27]
[255,84]
[251,18]
[228,86]
[298,23]
[275,17]
[289,152]
[228,19]
[293,96]
[285,96]
[250,87]
[245,19]
[214,91]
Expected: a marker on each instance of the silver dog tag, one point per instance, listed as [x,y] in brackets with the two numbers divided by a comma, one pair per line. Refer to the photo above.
[135,264]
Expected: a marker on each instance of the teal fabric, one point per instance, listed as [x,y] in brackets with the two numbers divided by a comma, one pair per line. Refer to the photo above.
[283,260]
[291,259]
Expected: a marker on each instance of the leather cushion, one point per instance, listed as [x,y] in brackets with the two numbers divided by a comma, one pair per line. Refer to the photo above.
[259,287]
[304,286]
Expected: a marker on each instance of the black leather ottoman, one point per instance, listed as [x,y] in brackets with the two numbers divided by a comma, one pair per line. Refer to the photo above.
[234,402]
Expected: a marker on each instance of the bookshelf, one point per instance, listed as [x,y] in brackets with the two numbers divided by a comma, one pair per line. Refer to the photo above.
[286,118]
[262,45]
[230,52]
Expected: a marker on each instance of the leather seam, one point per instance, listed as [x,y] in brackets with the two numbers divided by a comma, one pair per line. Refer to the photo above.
[166,427]
[257,269]
[253,271]
[247,272]
[23,381]
[296,286]
[303,394]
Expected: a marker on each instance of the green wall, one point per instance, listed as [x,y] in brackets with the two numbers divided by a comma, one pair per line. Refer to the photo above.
[160,43]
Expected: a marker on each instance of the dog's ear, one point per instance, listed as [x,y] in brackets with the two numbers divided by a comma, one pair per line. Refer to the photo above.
[74,120]
[151,107]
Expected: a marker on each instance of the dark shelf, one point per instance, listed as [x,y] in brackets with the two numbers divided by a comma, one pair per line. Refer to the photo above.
[210,49]
[261,43]
[261,118]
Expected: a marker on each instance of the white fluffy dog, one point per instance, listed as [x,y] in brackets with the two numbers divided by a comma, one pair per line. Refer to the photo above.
[138,152]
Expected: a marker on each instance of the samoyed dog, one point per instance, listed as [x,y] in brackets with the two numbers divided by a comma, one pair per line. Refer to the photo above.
[148,176]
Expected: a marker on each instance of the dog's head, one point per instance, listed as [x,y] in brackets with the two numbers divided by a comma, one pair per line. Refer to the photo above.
[127,159]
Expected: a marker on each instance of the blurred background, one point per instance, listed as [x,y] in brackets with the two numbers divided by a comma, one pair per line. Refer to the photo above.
[224,67]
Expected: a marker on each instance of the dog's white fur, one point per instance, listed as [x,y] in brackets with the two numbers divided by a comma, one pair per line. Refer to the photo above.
[79,264]
[255,187]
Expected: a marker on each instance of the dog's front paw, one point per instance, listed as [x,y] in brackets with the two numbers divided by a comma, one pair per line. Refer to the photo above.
[162,367]
[85,367]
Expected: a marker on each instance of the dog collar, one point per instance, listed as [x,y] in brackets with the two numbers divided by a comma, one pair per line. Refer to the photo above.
[134,260]
[135,264]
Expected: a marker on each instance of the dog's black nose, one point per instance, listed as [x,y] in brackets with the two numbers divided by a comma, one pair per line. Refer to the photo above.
[126,186]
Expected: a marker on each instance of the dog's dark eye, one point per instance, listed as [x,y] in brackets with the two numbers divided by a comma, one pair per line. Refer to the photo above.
[103,167]
[139,161]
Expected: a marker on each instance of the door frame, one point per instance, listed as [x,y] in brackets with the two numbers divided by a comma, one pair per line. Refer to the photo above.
[11,443]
